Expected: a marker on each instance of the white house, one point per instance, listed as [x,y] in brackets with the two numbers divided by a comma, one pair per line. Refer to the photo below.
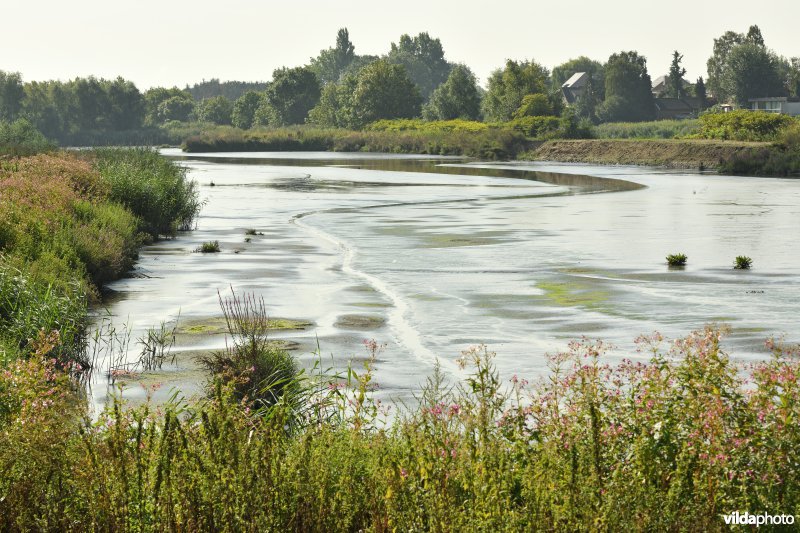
[776,104]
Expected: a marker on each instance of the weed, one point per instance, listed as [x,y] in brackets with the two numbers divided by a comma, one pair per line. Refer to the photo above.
[742,262]
[208,247]
[676,260]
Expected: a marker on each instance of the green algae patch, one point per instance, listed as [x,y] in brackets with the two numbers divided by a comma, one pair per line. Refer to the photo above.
[575,293]
[359,322]
[218,326]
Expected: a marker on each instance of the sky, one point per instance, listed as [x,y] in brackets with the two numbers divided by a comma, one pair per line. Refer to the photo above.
[180,42]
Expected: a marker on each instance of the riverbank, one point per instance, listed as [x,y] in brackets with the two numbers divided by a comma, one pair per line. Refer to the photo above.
[677,153]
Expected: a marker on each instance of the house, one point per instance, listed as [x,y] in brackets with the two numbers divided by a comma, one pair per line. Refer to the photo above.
[776,104]
[677,108]
[573,88]
[661,86]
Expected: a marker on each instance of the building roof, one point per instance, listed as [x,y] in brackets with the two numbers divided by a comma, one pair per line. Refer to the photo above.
[673,104]
[662,81]
[577,80]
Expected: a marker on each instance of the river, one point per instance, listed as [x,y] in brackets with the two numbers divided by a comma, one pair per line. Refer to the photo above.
[432,255]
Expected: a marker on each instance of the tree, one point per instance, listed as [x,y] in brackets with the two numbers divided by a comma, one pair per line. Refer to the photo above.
[153,99]
[332,62]
[508,86]
[628,89]
[700,91]
[384,91]
[534,105]
[423,57]
[793,78]
[178,108]
[719,76]
[586,104]
[244,109]
[126,105]
[751,71]
[12,93]
[291,94]
[676,74]
[217,110]
[381,90]
[457,97]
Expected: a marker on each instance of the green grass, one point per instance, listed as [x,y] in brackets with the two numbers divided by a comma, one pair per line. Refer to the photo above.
[208,247]
[657,129]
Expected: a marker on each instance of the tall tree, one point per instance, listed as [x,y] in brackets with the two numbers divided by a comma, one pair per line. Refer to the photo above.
[244,109]
[217,110]
[154,97]
[676,74]
[719,77]
[126,105]
[629,94]
[508,86]
[751,71]
[423,57]
[457,97]
[291,94]
[12,93]
[331,63]
[700,91]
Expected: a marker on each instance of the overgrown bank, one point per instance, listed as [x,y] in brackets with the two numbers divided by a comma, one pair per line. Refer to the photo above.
[70,222]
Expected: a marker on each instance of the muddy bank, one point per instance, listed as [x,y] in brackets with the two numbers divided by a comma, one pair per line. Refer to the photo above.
[677,153]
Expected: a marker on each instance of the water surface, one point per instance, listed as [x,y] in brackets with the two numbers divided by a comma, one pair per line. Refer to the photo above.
[432,255]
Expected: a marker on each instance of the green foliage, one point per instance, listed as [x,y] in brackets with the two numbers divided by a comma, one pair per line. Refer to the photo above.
[441,139]
[288,98]
[744,125]
[244,109]
[12,93]
[208,247]
[670,443]
[232,90]
[153,188]
[751,71]
[676,260]
[331,63]
[436,126]
[534,105]
[628,89]
[676,74]
[179,108]
[20,138]
[216,110]
[536,127]
[381,90]
[657,129]
[508,86]
[742,262]
[741,67]
[457,98]
[423,58]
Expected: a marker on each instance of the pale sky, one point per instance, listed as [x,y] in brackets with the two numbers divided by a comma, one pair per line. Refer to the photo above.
[175,42]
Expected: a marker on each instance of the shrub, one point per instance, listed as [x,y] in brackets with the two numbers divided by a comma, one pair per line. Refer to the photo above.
[20,138]
[676,260]
[744,125]
[742,262]
[208,247]
[537,127]
[154,188]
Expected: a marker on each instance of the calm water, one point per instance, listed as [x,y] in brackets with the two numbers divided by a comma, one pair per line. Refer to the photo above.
[433,255]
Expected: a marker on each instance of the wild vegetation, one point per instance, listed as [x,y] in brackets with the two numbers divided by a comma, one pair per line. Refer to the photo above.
[669,440]
[70,222]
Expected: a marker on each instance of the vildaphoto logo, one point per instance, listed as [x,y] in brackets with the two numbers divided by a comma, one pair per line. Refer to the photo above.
[762,519]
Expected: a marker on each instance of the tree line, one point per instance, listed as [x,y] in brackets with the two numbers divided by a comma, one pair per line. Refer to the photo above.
[340,88]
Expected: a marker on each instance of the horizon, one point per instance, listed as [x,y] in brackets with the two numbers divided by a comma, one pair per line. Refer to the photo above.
[168,54]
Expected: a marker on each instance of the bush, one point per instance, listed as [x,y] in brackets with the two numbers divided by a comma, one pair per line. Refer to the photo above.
[154,188]
[20,138]
[742,262]
[744,125]
[676,260]
[208,247]
[536,127]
